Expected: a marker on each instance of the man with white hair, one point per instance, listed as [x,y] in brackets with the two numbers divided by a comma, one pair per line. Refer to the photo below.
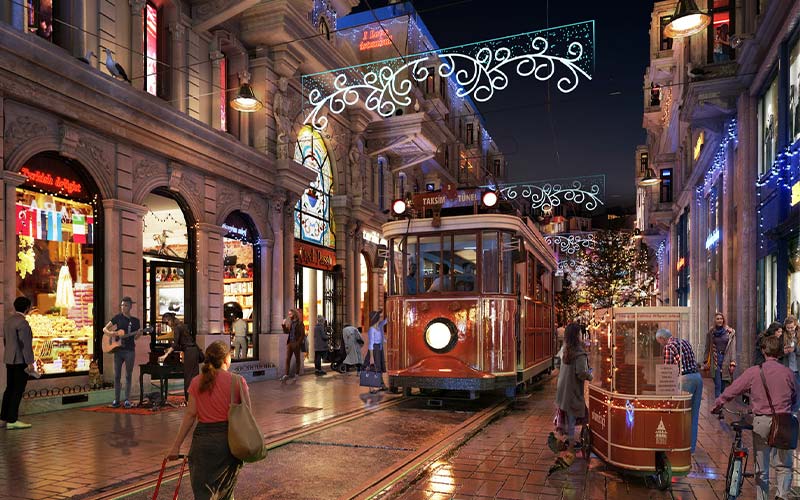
[679,352]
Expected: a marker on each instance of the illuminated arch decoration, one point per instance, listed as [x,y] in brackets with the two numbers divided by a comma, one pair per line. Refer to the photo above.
[478,70]
[587,192]
[313,220]
[570,243]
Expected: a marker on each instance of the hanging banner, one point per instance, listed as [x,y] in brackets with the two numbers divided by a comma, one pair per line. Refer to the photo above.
[312,256]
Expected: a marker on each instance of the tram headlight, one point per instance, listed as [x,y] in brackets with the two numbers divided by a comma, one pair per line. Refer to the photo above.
[489,199]
[399,207]
[441,335]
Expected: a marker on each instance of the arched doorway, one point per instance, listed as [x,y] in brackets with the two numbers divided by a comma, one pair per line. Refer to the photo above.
[168,249]
[59,251]
[242,280]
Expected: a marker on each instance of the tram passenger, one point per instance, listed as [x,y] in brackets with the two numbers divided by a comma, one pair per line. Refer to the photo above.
[411,279]
[442,282]
[679,352]
[466,281]
[772,390]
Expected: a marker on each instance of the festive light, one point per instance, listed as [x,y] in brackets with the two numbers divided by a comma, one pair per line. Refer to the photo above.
[712,238]
[719,160]
[570,243]
[478,69]
[551,192]
[784,174]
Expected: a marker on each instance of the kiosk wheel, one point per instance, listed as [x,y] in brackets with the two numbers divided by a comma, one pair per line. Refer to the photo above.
[586,442]
[663,476]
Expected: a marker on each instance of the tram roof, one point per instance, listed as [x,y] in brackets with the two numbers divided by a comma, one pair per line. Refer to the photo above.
[475,222]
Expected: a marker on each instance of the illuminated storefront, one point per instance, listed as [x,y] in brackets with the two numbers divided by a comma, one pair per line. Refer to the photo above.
[57,235]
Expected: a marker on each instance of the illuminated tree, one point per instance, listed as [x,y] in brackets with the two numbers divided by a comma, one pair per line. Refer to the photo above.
[617,270]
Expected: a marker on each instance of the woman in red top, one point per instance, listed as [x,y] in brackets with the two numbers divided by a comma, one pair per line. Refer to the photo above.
[212,468]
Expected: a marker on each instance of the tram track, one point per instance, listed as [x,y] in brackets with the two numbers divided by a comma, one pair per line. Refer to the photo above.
[272,442]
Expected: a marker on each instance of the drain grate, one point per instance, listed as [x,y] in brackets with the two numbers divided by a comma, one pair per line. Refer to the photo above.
[298,410]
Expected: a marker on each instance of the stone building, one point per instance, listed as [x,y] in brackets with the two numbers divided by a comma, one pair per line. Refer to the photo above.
[156,187]
[717,109]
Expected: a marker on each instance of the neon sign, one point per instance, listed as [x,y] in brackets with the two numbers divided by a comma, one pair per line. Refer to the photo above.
[374,38]
[64,185]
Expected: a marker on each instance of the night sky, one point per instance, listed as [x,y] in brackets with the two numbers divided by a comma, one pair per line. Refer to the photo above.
[592,130]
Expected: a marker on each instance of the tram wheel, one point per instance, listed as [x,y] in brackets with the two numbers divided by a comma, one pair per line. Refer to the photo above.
[586,442]
[663,471]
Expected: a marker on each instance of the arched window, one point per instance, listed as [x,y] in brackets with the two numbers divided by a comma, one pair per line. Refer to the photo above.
[313,221]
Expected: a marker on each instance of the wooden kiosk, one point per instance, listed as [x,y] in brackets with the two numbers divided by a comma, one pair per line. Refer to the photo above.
[639,420]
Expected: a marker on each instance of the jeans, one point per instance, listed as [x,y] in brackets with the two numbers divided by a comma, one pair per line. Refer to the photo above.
[16,379]
[127,357]
[293,350]
[764,454]
[693,384]
[719,384]
[569,432]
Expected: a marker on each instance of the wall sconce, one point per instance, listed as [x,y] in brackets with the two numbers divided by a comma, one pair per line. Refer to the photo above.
[649,179]
[245,100]
[687,20]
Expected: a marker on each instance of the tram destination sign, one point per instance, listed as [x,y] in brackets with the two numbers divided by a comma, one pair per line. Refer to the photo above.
[447,199]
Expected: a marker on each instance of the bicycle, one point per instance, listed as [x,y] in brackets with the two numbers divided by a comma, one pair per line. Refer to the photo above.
[737,459]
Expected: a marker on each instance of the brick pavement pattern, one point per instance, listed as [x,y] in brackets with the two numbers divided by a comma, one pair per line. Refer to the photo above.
[70,453]
[510,459]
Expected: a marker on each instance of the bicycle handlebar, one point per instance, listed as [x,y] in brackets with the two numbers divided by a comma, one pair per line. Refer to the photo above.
[739,413]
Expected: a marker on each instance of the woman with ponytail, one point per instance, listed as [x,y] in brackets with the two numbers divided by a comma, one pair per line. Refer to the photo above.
[212,468]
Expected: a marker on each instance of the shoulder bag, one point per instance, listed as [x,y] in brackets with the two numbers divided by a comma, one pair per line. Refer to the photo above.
[244,436]
[783,428]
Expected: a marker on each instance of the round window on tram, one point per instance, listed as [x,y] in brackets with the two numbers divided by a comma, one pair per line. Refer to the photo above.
[441,335]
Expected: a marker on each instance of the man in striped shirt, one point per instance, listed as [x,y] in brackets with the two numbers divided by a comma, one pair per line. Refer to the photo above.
[679,352]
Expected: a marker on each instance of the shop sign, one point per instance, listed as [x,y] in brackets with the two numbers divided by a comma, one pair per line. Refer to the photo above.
[310,256]
[795,194]
[599,417]
[57,183]
[456,198]
[667,379]
[373,237]
[373,39]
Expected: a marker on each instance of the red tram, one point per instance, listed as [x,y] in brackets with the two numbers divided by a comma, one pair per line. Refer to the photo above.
[470,303]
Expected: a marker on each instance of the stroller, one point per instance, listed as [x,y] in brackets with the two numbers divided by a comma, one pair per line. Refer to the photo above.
[336,352]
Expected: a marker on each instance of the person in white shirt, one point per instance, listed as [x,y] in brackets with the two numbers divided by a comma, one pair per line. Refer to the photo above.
[239,328]
[375,345]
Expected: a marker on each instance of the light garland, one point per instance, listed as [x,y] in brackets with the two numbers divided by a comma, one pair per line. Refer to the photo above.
[550,193]
[720,159]
[478,69]
[570,243]
[660,252]
[784,173]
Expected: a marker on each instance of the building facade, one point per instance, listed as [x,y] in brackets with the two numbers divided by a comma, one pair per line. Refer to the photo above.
[154,186]
[717,109]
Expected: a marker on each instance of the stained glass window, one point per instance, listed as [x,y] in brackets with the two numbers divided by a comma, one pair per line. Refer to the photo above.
[313,221]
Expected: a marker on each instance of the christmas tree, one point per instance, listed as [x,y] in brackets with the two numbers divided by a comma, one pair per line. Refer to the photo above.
[616,270]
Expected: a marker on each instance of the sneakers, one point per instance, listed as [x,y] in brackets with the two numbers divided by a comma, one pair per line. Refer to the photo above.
[127,405]
[19,424]
[114,404]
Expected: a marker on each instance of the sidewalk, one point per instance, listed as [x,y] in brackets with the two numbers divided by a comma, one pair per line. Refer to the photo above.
[510,459]
[72,452]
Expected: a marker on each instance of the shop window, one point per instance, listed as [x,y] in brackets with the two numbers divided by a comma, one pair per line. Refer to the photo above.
[768,127]
[57,241]
[365,300]
[665,189]
[720,31]
[241,279]
[40,18]
[793,297]
[655,94]
[151,48]
[469,140]
[665,42]
[313,218]
[794,92]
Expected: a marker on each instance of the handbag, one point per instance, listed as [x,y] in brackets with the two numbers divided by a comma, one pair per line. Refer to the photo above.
[244,436]
[304,347]
[784,426]
[370,378]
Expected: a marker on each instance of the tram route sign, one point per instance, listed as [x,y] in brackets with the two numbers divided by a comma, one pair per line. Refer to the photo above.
[444,199]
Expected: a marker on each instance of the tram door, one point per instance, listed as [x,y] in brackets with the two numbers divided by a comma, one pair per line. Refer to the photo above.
[520,283]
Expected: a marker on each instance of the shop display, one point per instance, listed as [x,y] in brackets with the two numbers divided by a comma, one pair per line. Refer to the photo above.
[55,255]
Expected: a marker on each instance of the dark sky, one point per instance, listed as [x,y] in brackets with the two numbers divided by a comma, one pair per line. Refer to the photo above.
[592,130]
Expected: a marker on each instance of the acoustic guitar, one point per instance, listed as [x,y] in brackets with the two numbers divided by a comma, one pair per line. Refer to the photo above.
[113,341]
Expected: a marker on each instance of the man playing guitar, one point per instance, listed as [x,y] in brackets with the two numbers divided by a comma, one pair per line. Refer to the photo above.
[126,353]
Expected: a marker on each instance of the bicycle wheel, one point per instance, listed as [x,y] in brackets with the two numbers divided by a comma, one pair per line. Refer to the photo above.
[734,478]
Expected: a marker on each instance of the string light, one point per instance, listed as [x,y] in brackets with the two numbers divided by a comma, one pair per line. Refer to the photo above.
[719,162]
[783,174]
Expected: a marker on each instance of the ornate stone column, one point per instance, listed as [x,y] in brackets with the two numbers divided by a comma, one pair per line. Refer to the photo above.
[137,63]
[178,88]
[216,116]
[265,247]
[11,180]
[209,283]
[277,209]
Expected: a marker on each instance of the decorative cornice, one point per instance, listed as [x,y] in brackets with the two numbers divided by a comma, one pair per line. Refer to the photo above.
[124,206]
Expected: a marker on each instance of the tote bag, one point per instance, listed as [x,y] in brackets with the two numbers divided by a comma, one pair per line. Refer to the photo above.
[244,437]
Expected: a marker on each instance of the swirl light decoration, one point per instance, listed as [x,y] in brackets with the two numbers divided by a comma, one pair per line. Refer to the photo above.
[478,70]
[570,243]
[544,195]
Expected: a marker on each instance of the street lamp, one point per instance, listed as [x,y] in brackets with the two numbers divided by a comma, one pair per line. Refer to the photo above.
[649,179]
[245,100]
[687,20]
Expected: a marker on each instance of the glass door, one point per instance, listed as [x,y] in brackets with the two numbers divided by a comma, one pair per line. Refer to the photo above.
[165,291]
